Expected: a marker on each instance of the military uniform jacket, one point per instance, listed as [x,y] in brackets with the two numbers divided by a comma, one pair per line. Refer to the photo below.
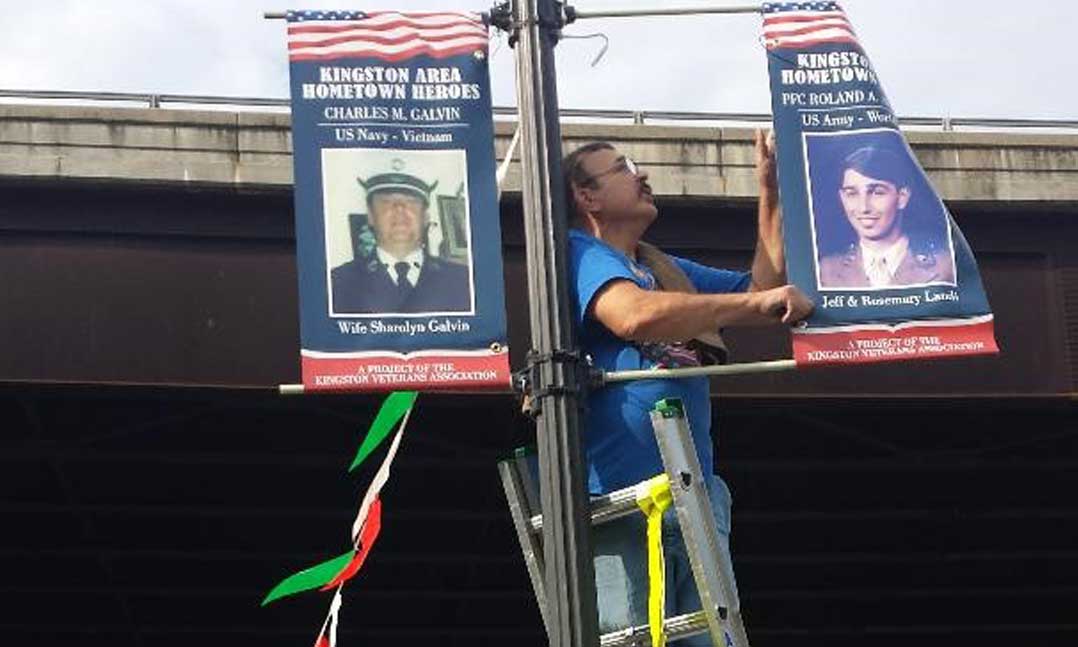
[363,286]
[920,265]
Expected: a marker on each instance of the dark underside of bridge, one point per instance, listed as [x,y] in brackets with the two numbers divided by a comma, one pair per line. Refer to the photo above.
[161,517]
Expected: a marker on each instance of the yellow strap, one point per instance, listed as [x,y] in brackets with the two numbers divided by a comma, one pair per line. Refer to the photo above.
[653,497]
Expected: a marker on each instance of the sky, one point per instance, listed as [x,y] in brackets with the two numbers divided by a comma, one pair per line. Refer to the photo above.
[935,58]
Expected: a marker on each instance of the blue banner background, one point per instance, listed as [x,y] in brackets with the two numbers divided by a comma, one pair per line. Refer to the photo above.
[854,111]
[319,331]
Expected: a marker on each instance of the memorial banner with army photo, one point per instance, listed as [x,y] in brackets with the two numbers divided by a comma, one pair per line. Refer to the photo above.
[867,237]
[398,236]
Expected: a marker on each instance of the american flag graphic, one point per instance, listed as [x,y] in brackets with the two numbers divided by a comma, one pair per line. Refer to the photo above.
[386,35]
[801,24]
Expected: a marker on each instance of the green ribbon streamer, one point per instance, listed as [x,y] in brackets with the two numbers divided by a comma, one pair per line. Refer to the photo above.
[393,409]
[314,577]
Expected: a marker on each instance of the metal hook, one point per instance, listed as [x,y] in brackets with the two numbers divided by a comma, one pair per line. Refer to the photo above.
[602,50]
[497,44]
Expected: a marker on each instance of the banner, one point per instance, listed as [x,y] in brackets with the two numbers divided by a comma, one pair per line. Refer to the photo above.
[398,236]
[867,238]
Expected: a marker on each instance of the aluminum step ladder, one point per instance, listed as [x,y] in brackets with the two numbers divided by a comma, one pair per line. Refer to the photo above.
[721,612]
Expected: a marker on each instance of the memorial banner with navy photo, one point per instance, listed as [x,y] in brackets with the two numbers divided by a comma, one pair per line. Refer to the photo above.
[867,238]
[397,229]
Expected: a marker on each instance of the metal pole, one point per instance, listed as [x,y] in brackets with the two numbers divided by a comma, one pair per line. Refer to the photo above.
[749,368]
[570,577]
[674,11]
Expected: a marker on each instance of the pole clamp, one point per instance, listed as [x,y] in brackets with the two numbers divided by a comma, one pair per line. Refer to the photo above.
[501,17]
[528,381]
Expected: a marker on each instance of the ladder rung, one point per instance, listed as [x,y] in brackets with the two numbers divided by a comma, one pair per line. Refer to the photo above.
[676,628]
[606,507]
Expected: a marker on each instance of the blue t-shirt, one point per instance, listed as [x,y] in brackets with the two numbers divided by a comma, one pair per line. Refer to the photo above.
[619,441]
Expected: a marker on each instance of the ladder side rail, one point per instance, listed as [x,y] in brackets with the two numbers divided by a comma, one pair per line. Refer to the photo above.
[517,496]
[713,575]
[526,467]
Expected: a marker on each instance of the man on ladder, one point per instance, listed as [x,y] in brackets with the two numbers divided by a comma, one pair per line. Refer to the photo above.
[637,308]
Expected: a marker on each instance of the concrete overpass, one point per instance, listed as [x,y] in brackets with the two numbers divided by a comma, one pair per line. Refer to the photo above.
[252,151]
[155,485]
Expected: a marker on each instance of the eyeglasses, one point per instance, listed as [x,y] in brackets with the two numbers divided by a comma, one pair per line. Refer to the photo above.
[624,164]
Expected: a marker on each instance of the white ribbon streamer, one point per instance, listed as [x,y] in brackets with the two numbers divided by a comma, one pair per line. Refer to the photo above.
[331,620]
[380,479]
[503,168]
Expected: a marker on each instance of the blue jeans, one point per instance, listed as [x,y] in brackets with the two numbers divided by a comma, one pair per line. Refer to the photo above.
[621,567]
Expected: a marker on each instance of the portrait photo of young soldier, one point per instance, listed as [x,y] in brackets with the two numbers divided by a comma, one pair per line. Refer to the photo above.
[877,223]
[399,262]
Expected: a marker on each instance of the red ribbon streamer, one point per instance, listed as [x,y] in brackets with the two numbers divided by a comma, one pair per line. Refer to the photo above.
[371,527]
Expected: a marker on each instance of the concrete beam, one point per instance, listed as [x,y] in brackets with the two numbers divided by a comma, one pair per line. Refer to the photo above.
[252,150]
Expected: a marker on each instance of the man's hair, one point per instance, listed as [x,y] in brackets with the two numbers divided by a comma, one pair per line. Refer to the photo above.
[573,174]
[879,163]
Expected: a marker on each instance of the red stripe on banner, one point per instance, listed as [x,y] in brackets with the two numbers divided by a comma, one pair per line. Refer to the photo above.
[873,345]
[779,44]
[451,21]
[371,527]
[789,33]
[808,25]
[415,36]
[393,58]
[446,372]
